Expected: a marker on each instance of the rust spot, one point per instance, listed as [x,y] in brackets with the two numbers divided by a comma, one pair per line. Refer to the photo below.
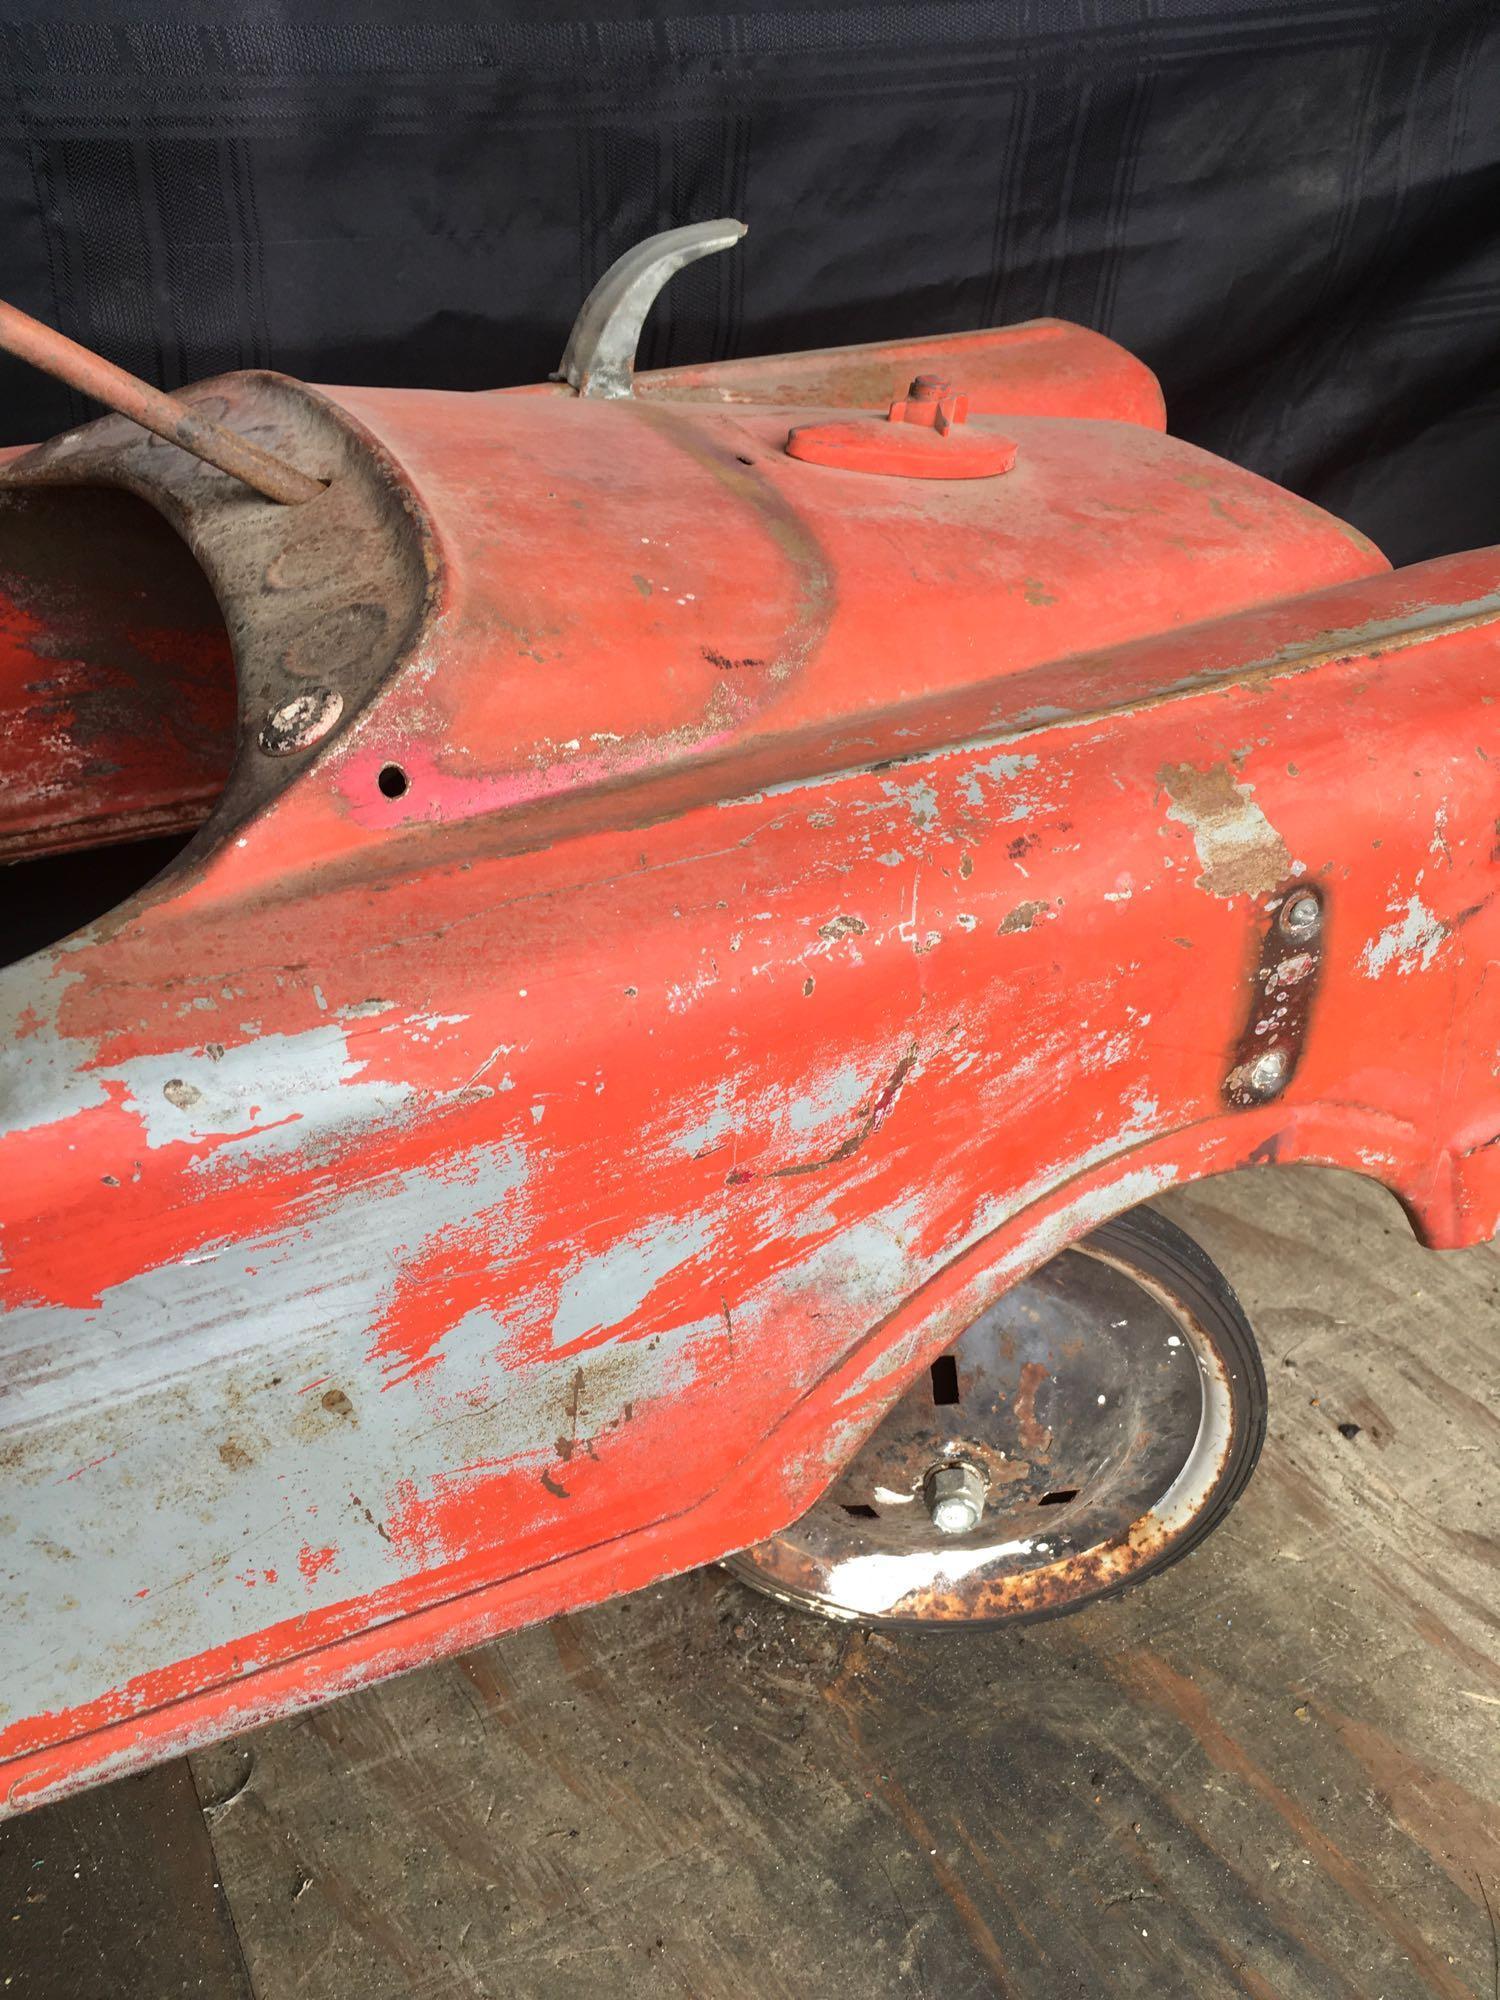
[868,1124]
[840,927]
[723,662]
[337,1402]
[1035,1436]
[1283,989]
[1022,917]
[1242,854]
[183,1095]
[234,1455]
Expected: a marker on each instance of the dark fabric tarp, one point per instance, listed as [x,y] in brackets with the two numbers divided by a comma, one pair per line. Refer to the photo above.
[1292,212]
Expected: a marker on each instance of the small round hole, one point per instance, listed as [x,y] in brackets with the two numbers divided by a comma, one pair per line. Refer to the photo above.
[392,781]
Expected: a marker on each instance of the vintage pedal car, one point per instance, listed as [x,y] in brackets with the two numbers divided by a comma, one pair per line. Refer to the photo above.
[703,902]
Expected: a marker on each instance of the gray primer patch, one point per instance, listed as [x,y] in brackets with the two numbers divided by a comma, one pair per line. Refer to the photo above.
[186,1416]
[833,1097]
[717,1121]
[41,1071]
[917,796]
[317,1279]
[1410,944]
[259,1098]
[1000,770]
[230,1475]
[607,1289]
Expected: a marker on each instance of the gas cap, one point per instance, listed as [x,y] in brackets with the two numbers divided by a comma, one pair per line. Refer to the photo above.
[923,435]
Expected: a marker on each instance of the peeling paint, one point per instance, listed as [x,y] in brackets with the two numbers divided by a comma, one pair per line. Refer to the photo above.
[1240,852]
[1410,944]
[998,771]
[836,1094]
[604,1291]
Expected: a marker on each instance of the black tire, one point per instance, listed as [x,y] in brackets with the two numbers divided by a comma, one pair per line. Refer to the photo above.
[1162,1251]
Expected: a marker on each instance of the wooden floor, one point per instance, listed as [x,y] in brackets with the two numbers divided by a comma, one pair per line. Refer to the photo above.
[1272,1771]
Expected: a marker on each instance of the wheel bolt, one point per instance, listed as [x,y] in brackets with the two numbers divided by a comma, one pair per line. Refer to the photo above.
[954,1493]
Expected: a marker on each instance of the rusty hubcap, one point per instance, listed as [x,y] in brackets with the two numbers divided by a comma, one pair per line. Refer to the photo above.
[1113,1405]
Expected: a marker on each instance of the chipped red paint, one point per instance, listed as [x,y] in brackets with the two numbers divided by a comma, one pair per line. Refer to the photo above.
[805,901]
[312,1561]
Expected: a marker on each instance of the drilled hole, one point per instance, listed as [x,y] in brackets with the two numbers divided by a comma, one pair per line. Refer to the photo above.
[945,1379]
[1060,1498]
[860,1512]
[393,781]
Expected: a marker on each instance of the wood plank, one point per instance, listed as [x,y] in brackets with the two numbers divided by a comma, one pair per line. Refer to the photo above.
[115,1895]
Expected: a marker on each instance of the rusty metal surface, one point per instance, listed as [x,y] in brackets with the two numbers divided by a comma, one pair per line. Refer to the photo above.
[1113,1405]
[1283,996]
[743,916]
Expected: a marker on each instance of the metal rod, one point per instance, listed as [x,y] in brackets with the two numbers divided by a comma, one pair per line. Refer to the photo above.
[29,340]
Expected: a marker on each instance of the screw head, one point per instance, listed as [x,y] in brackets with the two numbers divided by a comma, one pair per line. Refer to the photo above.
[1300,915]
[1268,1073]
[299,723]
[955,1496]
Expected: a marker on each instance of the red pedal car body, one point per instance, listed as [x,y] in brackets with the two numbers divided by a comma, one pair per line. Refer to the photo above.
[682,927]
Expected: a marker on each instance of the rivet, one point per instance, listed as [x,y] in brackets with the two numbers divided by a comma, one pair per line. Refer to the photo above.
[1300,915]
[1267,1074]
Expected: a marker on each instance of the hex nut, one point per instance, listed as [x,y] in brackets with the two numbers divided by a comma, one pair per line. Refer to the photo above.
[954,1493]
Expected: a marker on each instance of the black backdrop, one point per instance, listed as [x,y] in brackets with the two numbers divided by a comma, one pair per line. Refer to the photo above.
[1292,212]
